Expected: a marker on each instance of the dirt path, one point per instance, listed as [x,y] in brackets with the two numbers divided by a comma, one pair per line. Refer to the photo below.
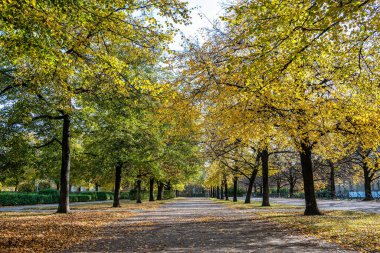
[199,225]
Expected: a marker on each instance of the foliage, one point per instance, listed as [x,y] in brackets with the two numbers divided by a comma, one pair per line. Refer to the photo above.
[26,187]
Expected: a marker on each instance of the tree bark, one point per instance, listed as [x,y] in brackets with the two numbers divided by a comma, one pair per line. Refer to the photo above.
[308,181]
[151,189]
[265,168]
[96,187]
[217,192]
[63,206]
[221,190]
[225,188]
[278,186]
[291,189]
[292,183]
[138,193]
[160,188]
[116,193]
[332,180]
[235,189]
[250,186]
[367,183]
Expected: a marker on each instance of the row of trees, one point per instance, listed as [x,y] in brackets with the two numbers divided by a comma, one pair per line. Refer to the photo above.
[277,77]
[82,87]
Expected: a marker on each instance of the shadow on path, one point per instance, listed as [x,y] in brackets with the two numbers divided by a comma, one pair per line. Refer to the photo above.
[199,225]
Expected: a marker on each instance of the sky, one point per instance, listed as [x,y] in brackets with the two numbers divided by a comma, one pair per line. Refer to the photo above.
[201,17]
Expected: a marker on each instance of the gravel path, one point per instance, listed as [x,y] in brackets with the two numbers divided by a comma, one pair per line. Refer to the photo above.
[199,225]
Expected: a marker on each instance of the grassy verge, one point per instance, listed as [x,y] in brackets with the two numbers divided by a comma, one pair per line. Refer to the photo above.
[51,232]
[352,230]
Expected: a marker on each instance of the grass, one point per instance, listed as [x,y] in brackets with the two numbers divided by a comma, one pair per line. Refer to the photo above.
[36,231]
[352,230]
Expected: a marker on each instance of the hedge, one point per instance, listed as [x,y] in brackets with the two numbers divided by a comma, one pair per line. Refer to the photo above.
[49,196]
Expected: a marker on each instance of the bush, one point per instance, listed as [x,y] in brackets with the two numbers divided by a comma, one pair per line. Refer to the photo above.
[49,196]
[124,195]
[54,194]
[79,198]
[240,192]
[133,194]
[49,192]
[169,194]
[13,198]
[91,195]
[25,187]
[44,185]
[104,196]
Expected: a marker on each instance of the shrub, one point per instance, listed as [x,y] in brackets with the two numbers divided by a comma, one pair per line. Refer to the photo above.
[92,195]
[169,194]
[43,185]
[133,194]
[25,187]
[13,198]
[49,196]
[104,195]
[124,195]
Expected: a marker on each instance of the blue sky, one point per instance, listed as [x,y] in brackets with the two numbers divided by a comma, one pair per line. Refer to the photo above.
[204,12]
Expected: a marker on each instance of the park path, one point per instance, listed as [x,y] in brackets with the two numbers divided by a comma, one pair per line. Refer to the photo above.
[199,225]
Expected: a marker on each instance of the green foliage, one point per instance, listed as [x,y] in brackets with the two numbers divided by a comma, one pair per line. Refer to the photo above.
[168,194]
[79,198]
[26,187]
[50,196]
[43,185]
[240,191]
[124,195]
[104,196]
[133,194]
[12,198]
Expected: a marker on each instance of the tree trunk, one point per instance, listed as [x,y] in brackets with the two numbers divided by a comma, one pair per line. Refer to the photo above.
[138,193]
[97,187]
[116,193]
[308,181]
[213,192]
[217,192]
[265,168]
[57,184]
[151,189]
[160,188]
[221,190]
[332,180]
[278,186]
[367,183]
[225,188]
[250,186]
[291,189]
[63,206]
[235,189]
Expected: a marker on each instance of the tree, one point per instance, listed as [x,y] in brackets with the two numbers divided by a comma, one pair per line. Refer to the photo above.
[66,52]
